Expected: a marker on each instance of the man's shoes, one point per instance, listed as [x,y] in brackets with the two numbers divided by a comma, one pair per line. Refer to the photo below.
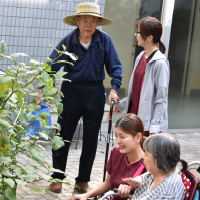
[82,187]
[56,187]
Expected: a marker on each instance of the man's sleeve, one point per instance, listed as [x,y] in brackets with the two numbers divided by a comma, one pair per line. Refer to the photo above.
[113,64]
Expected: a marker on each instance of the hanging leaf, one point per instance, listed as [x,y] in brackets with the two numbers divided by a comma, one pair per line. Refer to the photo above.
[37,189]
[37,155]
[19,98]
[4,88]
[57,142]
[61,73]
[19,171]
[10,182]
[11,193]
[59,108]
[5,160]
[31,168]
[64,47]
[6,79]
[4,145]
[45,177]
[4,124]
[5,172]
[18,54]
[50,84]
[20,183]
[45,77]
[2,46]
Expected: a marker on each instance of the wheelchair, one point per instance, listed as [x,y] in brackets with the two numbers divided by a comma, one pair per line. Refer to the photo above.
[190,173]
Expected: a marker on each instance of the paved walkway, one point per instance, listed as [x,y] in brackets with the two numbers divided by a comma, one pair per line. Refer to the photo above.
[190,144]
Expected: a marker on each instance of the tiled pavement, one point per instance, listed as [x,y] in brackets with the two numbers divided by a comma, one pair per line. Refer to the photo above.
[190,146]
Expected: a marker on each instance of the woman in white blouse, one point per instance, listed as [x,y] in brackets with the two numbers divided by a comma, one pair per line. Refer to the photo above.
[162,179]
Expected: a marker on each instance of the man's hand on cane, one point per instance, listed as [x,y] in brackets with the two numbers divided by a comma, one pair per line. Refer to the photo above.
[113,95]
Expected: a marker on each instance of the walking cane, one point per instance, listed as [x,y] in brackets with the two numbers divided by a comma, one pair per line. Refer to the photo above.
[108,137]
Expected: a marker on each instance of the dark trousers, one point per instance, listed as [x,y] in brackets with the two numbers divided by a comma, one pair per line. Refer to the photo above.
[86,100]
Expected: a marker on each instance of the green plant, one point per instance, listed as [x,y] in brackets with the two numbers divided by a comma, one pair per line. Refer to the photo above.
[16,84]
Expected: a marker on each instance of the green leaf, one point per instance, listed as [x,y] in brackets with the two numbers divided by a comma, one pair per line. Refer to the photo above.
[44,135]
[45,77]
[19,98]
[31,168]
[5,160]
[45,177]
[19,171]
[10,182]
[37,155]
[22,92]
[6,79]
[11,193]
[2,46]
[5,172]
[29,176]
[5,145]
[4,124]
[64,47]
[50,84]
[58,127]
[31,87]
[34,62]
[57,142]
[37,189]
[40,83]
[4,88]
[20,183]
[48,59]
[46,66]
[22,65]
[18,54]
[23,117]
[61,73]
[56,170]
[1,197]
[24,144]
[59,108]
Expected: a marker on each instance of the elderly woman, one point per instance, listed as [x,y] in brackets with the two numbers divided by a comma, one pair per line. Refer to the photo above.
[162,179]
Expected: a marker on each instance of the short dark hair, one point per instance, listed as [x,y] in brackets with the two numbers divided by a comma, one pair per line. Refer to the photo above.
[165,148]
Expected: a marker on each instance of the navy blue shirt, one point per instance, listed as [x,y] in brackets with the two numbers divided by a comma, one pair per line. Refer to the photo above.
[90,63]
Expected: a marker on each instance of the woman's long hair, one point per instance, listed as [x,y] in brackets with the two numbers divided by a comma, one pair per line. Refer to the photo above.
[151,26]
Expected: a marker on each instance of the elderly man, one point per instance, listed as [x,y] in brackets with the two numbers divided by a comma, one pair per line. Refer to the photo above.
[85,95]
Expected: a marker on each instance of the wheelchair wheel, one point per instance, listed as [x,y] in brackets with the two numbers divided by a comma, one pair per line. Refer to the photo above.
[194,167]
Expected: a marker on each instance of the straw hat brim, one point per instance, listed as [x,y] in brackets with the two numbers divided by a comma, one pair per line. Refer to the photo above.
[70,20]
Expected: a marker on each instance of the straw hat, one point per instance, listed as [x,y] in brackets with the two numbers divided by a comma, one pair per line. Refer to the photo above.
[87,8]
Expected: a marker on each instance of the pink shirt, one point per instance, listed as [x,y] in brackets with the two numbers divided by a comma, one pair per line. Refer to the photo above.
[118,168]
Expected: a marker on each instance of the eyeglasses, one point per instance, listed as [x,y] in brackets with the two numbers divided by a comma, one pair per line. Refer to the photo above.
[138,32]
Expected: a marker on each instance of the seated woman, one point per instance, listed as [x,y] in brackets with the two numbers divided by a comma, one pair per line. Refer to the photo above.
[126,159]
[162,179]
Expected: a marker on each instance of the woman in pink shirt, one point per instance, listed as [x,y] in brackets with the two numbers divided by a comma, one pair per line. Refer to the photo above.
[126,159]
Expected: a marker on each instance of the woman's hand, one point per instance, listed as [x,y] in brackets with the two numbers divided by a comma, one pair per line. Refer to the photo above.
[135,182]
[80,197]
[116,111]
[124,190]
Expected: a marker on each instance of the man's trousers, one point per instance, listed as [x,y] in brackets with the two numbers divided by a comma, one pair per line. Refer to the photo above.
[87,100]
